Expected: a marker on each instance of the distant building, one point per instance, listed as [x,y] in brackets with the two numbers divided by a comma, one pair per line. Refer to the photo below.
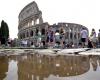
[31,22]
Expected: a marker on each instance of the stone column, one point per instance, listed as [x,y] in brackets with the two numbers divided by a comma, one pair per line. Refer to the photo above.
[25,34]
[69,34]
[28,33]
[40,18]
[77,33]
[77,36]
[73,35]
[35,22]
[30,23]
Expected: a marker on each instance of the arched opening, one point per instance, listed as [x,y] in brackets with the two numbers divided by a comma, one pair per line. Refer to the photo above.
[75,35]
[37,22]
[37,32]
[43,31]
[31,33]
[32,23]
[28,24]
[67,34]
[27,34]
[71,35]
[23,35]
[20,36]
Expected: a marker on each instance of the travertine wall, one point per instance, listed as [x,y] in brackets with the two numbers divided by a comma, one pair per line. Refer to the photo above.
[30,21]
[72,31]
[30,18]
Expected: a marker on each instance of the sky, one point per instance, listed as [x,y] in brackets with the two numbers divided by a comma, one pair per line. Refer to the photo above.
[85,12]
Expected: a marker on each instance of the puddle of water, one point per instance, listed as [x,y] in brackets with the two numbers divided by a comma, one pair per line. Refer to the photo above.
[44,67]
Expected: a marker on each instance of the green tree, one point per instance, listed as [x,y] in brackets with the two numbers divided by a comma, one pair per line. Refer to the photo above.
[4,31]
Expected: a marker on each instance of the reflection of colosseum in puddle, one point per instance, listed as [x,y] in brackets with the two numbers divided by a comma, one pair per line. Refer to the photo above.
[40,67]
[43,66]
[95,61]
[3,67]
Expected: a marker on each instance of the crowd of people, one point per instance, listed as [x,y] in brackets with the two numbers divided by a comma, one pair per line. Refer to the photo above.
[57,38]
[90,41]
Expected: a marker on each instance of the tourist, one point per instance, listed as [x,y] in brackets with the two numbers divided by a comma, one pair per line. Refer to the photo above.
[51,39]
[90,44]
[25,43]
[57,38]
[39,39]
[9,42]
[84,37]
[62,37]
[99,38]
[93,38]
[48,37]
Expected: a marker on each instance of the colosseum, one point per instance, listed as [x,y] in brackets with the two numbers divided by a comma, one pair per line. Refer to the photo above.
[31,23]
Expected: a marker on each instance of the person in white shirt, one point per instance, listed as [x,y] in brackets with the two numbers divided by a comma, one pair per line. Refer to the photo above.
[84,36]
[57,38]
[93,38]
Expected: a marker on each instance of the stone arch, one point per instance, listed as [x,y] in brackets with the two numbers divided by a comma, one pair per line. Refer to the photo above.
[43,31]
[31,33]
[37,21]
[32,22]
[36,32]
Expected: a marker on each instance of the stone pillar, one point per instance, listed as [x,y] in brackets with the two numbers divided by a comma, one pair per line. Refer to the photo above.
[35,22]
[69,34]
[77,33]
[73,35]
[28,33]
[25,34]
[77,36]
[30,23]
[40,19]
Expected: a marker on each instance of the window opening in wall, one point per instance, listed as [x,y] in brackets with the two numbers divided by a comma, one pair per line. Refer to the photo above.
[71,34]
[66,25]
[27,34]
[32,23]
[28,24]
[37,21]
[37,32]
[43,31]
[32,43]
[23,35]
[43,43]
[78,34]
[20,36]
[31,33]
[75,35]
[67,34]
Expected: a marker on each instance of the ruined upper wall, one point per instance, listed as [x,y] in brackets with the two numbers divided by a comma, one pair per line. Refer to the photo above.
[29,10]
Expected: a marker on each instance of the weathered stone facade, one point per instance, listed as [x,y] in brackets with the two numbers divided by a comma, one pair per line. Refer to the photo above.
[31,22]
[72,31]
